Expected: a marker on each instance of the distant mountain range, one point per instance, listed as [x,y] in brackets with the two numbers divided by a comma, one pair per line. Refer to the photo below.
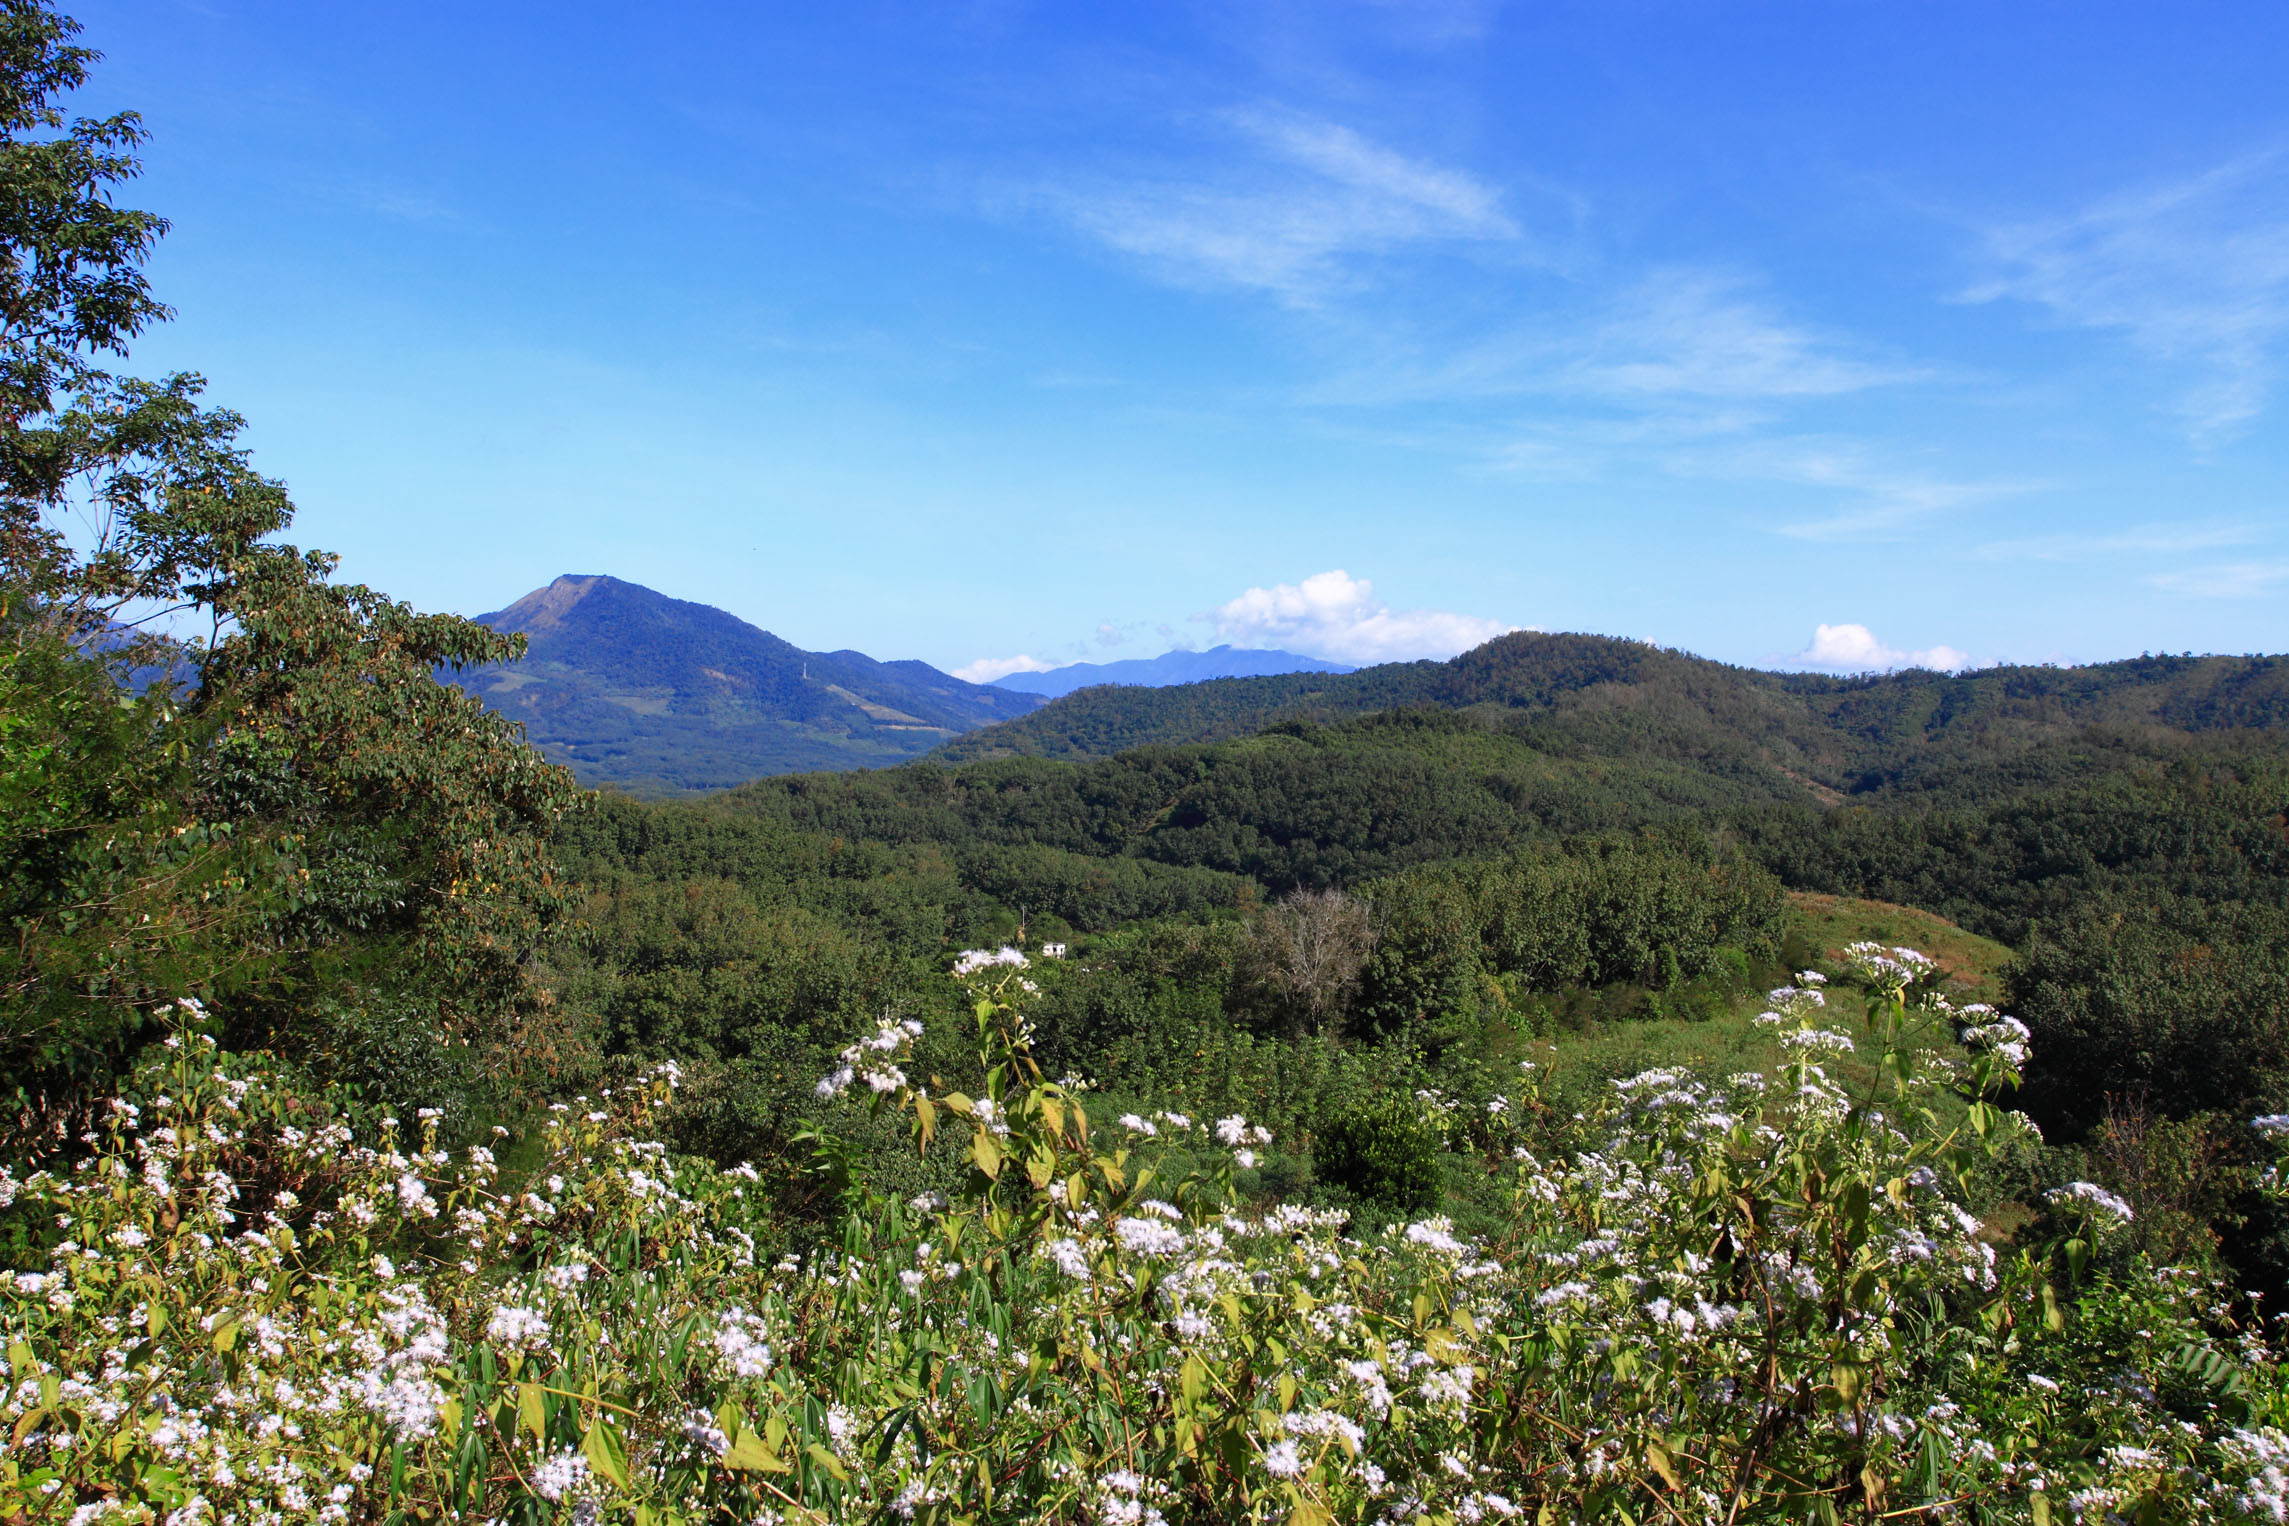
[1169,668]
[660,696]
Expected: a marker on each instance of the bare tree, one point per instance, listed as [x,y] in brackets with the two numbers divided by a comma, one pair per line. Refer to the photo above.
[1306,953]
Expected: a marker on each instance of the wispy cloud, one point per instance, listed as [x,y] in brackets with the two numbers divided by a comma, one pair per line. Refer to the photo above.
[2225,580]
[2195,272]
[1855,649]
[1577,450]
[1864,491]
[2152,539]
[1707,334]
[1337,616]
[1432,23]
[1874,499]
[1289,214]
[1686,337]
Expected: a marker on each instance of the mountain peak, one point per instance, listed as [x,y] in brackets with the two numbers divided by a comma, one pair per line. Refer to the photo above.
[545,608]
[635,688]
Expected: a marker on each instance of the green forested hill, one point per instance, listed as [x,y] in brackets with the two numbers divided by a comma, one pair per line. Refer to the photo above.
[1299,805]
[1594,694]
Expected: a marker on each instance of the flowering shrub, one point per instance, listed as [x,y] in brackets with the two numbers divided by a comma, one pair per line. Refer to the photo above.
[1755,1297]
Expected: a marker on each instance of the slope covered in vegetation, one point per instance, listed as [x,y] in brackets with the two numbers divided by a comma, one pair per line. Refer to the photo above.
[1602,695]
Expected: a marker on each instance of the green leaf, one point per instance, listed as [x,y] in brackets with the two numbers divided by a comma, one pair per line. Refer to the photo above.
[606,1452]
[1657,1456]
[828,1461]
[532,1410]
[750,1454]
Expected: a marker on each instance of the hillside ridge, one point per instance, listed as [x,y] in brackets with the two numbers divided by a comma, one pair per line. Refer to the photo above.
[1608,696]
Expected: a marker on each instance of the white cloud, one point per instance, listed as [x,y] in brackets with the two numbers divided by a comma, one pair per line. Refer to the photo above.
[2228,580]
[2196,273]
[986,669]
[1855,649]
[1286,217]
[1336,616]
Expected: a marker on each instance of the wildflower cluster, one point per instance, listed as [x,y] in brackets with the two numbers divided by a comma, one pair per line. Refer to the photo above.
[1761,1297]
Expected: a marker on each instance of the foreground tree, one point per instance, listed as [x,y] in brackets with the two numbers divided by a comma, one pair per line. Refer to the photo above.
[221,773]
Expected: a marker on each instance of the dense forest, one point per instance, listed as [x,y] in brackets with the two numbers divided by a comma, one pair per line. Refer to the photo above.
[1573,1082]
[2102,857]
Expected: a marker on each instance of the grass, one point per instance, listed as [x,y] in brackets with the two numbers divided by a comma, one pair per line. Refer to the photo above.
[1828,922]
[1584,1060]
[1588,1039]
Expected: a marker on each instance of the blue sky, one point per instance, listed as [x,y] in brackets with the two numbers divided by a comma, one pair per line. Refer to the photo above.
[1790,334]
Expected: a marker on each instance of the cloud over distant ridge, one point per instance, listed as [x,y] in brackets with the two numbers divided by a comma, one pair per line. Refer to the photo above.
[986,669]
[1337,616]
[1855,649]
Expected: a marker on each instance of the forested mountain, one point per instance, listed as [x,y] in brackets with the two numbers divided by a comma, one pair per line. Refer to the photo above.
[659,695]
[1599,695]
[1169,668]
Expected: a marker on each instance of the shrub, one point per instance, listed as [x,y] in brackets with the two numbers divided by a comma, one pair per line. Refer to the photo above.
[1711,1300]
[2179,1005]
[1386,1152]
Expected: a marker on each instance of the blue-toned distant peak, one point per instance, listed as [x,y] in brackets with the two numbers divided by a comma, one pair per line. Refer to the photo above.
[1170,668]
[639,642]
[640,690]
